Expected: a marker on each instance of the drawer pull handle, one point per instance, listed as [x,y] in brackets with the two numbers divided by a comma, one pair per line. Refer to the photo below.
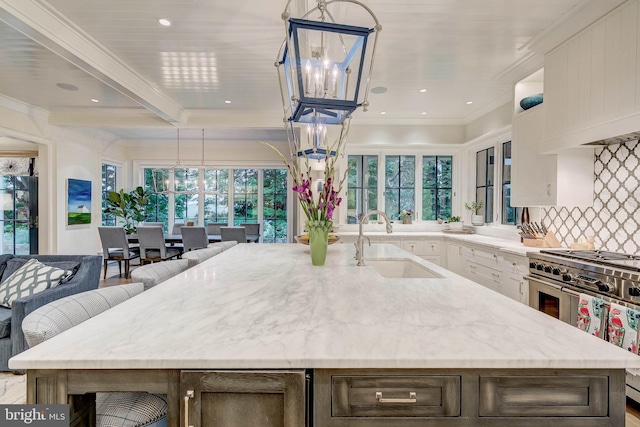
[412,398]
[187,396]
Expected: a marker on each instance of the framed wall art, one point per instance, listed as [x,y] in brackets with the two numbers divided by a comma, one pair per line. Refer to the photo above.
[78,202]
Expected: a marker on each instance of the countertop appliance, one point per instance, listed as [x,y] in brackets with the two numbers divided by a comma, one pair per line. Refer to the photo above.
[558,276]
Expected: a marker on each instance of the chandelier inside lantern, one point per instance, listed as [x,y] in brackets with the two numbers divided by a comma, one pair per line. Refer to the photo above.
[324,66]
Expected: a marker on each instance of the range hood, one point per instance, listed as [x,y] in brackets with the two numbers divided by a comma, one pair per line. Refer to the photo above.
[627,137]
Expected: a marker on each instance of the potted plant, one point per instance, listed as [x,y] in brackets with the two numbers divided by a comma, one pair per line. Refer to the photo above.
[474,207]
[131,207]
[454,223]
[405,216]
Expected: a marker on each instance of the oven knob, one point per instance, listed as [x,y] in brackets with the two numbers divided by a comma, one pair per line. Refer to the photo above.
[566,277]
[539,267]
[532,264]
[634,292]
[603,287]
[556,271]
[547,269]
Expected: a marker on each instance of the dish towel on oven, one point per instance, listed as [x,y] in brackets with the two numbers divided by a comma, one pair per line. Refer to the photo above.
[622,327]
[591,315]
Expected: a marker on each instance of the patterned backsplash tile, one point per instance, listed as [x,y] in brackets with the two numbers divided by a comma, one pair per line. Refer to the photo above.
[614,218]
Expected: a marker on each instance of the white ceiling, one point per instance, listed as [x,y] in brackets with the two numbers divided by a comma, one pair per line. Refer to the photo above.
[149,79]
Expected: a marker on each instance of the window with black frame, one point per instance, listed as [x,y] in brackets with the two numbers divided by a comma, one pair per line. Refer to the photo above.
[109,173]
[399,189]
[436,187]
[510,215]
[362,187]
[485,167]
[158,207]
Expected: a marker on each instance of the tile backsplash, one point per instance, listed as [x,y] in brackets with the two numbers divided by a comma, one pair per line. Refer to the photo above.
[614,218]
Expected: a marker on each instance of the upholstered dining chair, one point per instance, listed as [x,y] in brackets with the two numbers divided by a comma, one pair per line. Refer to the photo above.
[153,246]
[194,238]
[176,227]
[130,409]
[228,234]
[214,227]
[251,228]
[115,247]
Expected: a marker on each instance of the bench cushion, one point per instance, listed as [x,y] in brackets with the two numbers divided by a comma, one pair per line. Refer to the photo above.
[129,409]
[199,255]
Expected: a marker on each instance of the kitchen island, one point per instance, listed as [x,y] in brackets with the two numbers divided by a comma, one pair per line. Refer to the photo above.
[352,346]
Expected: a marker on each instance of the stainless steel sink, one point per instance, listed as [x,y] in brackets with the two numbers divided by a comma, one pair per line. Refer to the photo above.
[401,268]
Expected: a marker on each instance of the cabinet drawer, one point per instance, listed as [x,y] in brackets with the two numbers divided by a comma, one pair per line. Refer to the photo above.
[395,396]
[563,396]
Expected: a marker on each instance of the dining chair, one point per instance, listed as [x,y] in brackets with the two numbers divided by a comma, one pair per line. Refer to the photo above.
[176,227]
[251,228]
[153,246]
[132,409]
[115,247]
[194,238]
[214,227]
[229,234]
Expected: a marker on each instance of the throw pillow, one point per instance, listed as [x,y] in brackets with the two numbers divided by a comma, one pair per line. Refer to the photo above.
[31,278]
[15,263]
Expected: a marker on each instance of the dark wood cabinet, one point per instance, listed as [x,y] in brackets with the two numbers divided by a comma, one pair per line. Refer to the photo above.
[243,398]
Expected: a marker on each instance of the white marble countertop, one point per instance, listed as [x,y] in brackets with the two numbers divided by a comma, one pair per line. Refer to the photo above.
[264,306]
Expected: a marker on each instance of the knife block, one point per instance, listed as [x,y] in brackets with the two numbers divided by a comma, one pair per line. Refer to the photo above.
[548,241]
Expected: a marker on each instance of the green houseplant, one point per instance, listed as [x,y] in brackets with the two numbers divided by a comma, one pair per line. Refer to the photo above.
[474,207]
[454,223]
[131,206]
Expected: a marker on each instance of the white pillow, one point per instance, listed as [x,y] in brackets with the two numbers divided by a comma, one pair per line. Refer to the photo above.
[31,278]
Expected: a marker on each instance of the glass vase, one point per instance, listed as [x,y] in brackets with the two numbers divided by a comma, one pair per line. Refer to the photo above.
[318,240]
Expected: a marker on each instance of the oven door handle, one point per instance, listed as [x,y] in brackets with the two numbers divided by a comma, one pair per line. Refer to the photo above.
[537,279]
[553,285]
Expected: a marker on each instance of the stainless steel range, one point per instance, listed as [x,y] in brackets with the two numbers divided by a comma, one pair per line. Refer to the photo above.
[604,273]
[557,278]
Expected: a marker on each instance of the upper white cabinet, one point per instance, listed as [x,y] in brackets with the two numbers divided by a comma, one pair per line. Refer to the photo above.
[563,179]
[592,82]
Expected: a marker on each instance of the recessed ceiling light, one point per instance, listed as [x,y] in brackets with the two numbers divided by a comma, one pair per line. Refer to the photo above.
[424,113]
[379,89]
[164,22]
[423,90]
[469,102]
[66,86]
[95,100]
[226,101]
[383,112]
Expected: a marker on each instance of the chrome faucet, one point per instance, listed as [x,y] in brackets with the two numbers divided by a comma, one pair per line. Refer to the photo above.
[360,243]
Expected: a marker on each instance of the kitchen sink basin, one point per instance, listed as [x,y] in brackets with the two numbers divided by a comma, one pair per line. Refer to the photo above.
[401,268]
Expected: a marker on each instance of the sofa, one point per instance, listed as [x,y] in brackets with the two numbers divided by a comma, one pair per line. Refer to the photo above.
[86,276]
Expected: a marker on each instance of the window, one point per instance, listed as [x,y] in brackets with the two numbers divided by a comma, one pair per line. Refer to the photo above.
[485,161]
[158,207]
[274,206]
[245,196]
[362,186]
[216,206]
[186,202]
[399,191]
[510,215]
[436,187]
[108,184]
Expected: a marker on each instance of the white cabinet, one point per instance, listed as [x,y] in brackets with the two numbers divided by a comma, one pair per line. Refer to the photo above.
[455,259]
[482,266]
[426,249]
[513,283]
[563,179]
[592,81]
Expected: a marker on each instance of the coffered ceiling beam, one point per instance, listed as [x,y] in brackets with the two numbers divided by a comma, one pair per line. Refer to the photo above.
[48,27]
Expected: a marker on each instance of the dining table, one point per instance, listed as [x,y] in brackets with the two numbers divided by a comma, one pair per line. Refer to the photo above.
[177,238]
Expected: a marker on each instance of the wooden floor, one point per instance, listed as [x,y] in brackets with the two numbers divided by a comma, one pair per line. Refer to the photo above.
[113,279]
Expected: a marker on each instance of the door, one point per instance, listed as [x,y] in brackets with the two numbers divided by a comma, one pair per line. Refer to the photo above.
[19,214]
[243,398]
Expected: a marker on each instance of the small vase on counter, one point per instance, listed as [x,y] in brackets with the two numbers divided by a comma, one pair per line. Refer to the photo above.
[318,240]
